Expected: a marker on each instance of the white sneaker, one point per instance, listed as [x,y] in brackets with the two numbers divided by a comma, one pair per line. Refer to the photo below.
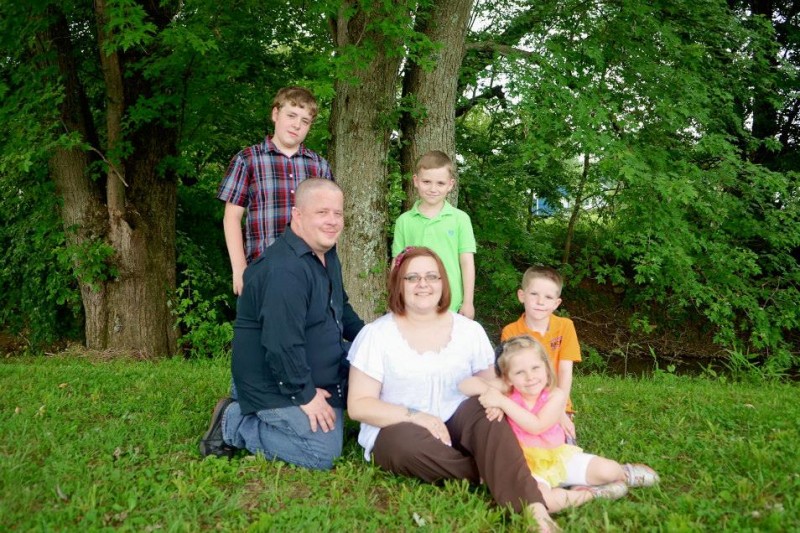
[609,491]
[639,475]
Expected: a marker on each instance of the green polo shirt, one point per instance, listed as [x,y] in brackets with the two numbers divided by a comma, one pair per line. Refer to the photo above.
[449,234]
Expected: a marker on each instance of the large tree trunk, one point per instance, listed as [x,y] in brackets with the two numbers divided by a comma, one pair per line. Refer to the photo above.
[132,209]
[432,125]
[143,235]
[358,154]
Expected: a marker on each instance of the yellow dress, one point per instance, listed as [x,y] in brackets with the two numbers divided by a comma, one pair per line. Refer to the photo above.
[548,463]
[546,453]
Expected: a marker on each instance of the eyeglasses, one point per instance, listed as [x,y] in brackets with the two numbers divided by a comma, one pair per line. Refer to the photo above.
[416,278]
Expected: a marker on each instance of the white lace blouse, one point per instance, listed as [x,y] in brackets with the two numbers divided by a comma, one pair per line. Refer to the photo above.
[427,381]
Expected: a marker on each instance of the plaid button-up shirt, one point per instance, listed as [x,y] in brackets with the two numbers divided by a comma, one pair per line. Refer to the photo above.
[263,180]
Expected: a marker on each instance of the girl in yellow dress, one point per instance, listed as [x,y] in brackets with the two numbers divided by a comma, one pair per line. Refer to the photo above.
[525,393]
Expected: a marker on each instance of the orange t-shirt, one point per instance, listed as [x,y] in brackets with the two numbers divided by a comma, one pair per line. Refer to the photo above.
[560,341]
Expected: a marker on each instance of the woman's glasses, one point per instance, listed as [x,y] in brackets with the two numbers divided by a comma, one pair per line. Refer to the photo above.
[416,278]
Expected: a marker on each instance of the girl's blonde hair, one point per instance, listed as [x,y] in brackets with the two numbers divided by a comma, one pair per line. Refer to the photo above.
[505,352]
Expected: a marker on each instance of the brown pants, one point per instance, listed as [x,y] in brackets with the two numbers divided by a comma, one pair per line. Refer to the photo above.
[481,450]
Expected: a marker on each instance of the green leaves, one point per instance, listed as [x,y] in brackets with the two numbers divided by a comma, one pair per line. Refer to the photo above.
[41,301]
[127,26]
[632,119]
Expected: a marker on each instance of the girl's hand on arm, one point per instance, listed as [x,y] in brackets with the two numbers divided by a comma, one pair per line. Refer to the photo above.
[492,398]
[494,413]
[488,380]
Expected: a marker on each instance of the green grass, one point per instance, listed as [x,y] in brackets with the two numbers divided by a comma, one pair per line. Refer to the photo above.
[87,445]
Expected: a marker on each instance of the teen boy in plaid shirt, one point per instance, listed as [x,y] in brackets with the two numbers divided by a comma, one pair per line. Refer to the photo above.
[261,180]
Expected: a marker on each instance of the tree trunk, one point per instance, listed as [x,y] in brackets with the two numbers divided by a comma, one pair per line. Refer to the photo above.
[445,23]
[358,154]
[576,210]
[143,235]
[136,216]
[765,109]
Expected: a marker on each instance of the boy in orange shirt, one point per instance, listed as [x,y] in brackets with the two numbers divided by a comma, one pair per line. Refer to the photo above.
[541,296]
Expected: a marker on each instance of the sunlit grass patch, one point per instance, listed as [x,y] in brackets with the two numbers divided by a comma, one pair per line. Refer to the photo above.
[89,444]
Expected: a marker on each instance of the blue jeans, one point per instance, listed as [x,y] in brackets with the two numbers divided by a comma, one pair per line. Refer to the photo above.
[285,434]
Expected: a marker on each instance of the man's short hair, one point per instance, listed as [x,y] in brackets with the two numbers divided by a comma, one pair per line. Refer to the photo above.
[307,186]
[435,159]
[296,96]
[542,272]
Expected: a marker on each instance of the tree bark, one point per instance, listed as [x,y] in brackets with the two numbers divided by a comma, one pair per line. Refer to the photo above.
[765,111]
[132,208]
[576,210]
[434,90]
[358,154]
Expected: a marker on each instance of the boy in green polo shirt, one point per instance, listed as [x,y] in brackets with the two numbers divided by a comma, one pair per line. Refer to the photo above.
[435,223]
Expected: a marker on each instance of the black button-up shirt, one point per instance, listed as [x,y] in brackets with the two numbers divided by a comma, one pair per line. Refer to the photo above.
[292,320]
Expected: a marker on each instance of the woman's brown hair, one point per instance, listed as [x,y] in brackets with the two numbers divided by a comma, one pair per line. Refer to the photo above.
[397,302]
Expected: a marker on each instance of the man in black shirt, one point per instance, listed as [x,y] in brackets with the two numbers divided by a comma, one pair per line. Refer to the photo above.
[289,351]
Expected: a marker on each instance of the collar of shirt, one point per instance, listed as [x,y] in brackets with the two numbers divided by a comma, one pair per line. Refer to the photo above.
[299,246]
[269,146]
[447,210]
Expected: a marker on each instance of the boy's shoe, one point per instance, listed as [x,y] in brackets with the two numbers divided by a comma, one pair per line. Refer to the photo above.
[639,475]
[212,442]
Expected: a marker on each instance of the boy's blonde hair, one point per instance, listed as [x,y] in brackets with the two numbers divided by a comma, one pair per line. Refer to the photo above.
[505,352]
[296,96]
[435,159]
[542,272]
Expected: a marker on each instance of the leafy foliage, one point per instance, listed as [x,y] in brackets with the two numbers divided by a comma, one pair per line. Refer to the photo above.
[669,208]
[203,303]
[662,137]
[41,301]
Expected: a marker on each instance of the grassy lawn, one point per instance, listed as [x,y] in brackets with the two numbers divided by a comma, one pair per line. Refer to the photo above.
[88,445]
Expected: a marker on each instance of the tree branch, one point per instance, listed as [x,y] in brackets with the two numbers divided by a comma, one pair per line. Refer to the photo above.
[487,94]
[504,49]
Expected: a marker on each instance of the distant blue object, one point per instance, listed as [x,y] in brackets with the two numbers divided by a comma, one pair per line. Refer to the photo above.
[541,208]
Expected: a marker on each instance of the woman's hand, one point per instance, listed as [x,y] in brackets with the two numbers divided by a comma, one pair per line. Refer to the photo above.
[434,424]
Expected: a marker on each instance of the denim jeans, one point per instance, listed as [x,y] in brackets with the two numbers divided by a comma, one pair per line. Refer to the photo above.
[285,434]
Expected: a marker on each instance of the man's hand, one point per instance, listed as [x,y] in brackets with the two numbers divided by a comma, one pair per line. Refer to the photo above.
[319,412]
[238,280]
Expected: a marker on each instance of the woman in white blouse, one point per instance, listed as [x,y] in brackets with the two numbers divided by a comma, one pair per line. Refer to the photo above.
[404,376]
